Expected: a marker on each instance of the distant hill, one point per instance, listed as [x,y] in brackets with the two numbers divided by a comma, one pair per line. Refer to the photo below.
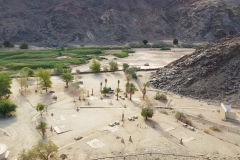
[210,73]
[57,22]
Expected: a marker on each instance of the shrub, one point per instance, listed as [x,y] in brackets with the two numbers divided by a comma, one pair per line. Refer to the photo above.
[175,41]
[146,64]
[113,66]
[165,48]
[7,107]
[160,96]
[7,44]
[78,71]
[180,116]
[147,113]
[132,72]
[29,71]
[105,68]
[95,66]
[200,116]
[206,131]
[23,46]
[215,128]
[105,90]
[145,42]
[125,66]
[164,112]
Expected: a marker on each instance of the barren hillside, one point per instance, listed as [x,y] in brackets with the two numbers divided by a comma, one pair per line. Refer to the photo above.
[56,22]
[209,73]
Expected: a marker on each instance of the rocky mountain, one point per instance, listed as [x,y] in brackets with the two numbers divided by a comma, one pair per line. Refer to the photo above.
[56,22]
[210,73]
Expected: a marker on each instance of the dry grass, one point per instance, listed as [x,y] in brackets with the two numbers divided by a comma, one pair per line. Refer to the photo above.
[206,131]
[200,116]
[215,128]
[187,121]
[164,112]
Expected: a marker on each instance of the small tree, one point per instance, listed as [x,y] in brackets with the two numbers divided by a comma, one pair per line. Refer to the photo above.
[58,68]
[41,151]
[7,44]
[131,72]
[7,107]
[105,90]
[42,126]
[5,85]
[125,66]
[29,71]
[113,66]
[23,79]
[44,76]
[67,77]
[40,108]
[175,41]
[95,66]
[147,113]
[145,42]
[23,46]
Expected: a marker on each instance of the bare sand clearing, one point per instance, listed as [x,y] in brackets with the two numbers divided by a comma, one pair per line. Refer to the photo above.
[161,134]
[155,58]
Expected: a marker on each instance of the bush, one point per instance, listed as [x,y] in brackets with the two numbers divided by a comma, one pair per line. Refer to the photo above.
[206,131]
[147,113]
[160,96]
[164,112]
[95,66]
[8,44]
[132,72]
[105,90]
[29,71]
[165,48]
[145,42]
[113,66]
[125,66]
[23,46]
[105,68]
[175,41]
[7,107]
[215,128]
[78,71]
[180,116]
[200,116]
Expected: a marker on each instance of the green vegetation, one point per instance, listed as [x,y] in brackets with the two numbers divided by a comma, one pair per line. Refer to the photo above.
[160,96]
[113,66]
[42,126]
[131,88]
[131,72]
[28,71]
[181,117]
[105,90]
[147,113]
[125,66]
[44,76]
[121,55]
[175,41]
[95,66]
[5,85]
[165,48]
[8,44]
[41,151]
[67,77]
[40,108]
[7,107]
[145,42]
[23,46]
[48,58]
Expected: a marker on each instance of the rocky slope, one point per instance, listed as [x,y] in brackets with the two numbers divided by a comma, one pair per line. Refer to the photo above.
[56,22]
[211,73]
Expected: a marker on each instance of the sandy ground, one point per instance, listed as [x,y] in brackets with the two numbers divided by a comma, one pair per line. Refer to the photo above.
[161,134]
[154,57]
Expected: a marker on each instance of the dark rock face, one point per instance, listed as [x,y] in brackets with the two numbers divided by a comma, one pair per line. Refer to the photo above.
[56,22]
[211,73]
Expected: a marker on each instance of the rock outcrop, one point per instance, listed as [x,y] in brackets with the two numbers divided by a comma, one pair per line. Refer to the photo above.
[57,22]
[212,72]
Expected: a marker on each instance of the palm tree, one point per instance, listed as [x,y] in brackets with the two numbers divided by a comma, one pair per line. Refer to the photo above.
[118,90]
[42,127]
[118,83]
[106,82]
[127,87]
[101,87]
[132,89]
[144,91]
[40,108]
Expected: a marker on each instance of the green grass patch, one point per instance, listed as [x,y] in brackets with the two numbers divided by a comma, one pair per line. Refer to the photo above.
[121,55]
[47,58]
